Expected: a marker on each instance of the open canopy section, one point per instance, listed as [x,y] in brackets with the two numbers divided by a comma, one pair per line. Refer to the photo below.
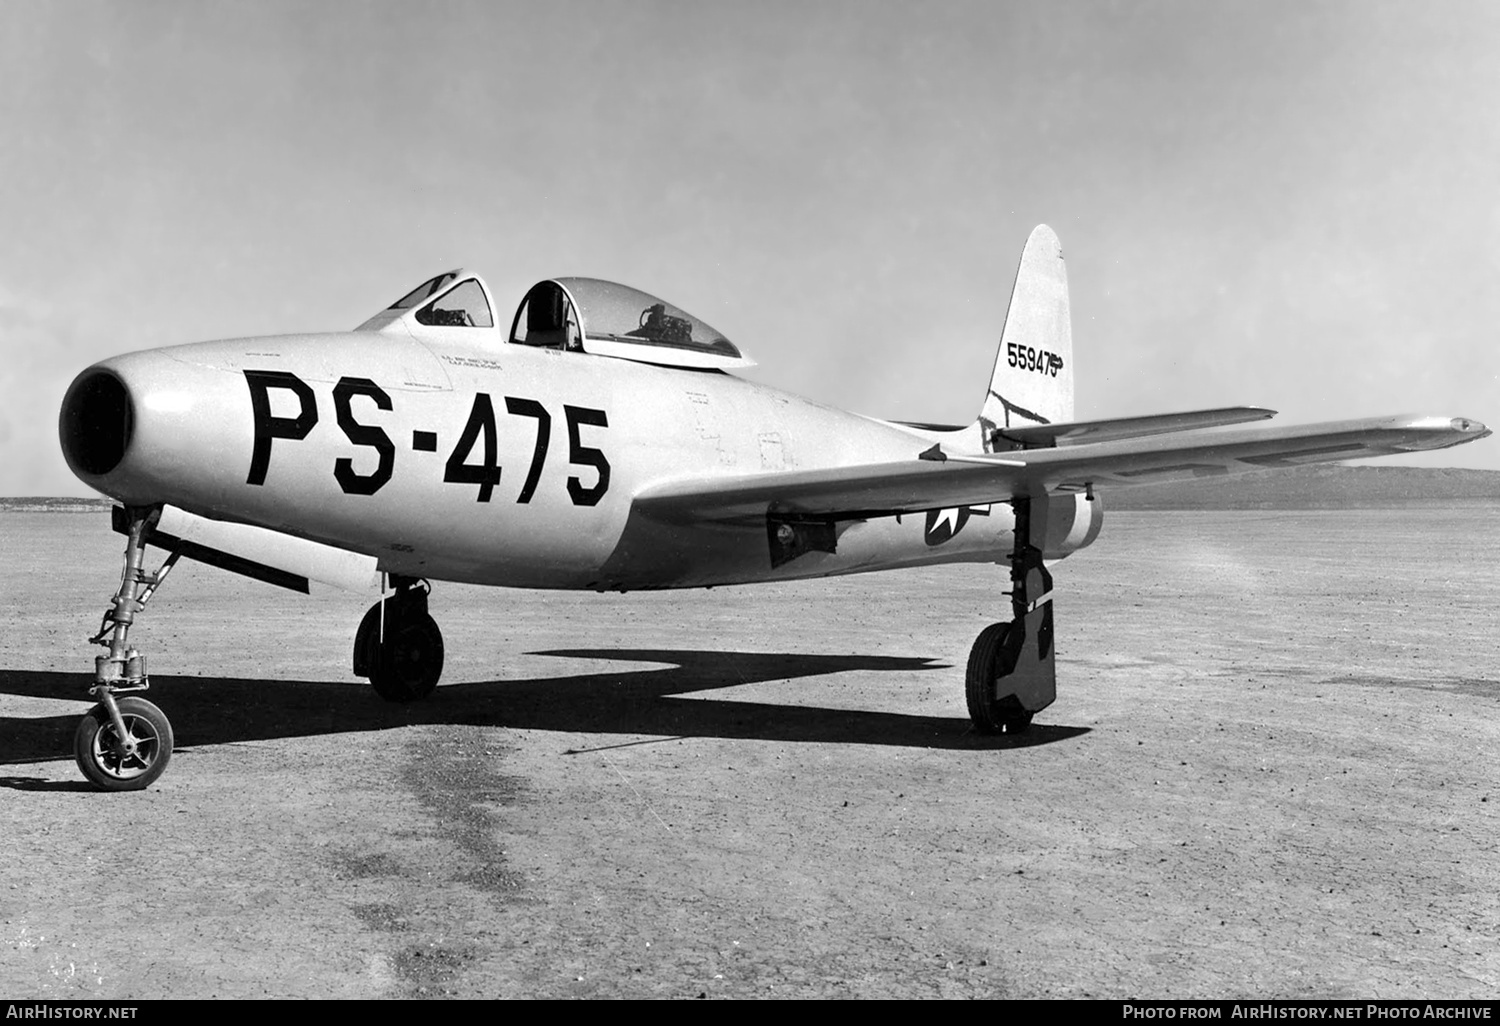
[608,319]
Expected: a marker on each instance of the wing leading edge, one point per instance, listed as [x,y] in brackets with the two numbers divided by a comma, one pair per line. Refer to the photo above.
[935,479]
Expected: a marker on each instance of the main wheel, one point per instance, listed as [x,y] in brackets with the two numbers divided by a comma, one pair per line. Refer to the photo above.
[409,661]
[989,660]
[123,764]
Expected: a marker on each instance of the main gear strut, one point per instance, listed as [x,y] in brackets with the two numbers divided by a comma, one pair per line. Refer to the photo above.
[1012,672]
[398,645]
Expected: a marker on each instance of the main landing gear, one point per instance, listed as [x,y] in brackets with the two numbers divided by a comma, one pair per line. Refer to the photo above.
[124,744]
[398,646]
[1012,671]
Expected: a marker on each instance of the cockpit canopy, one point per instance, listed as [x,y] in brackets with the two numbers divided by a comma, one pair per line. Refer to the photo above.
[608,319]
[571,314]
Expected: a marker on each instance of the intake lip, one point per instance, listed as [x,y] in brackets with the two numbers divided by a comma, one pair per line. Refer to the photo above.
[96,423]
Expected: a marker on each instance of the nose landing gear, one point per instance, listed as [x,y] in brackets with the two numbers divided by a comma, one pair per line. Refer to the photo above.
[398,645]
[124,744]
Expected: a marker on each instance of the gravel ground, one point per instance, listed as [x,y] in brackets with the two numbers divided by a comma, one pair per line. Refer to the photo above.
[1271,772]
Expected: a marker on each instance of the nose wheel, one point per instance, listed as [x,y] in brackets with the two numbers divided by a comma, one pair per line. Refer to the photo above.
[129,761]
[398,645]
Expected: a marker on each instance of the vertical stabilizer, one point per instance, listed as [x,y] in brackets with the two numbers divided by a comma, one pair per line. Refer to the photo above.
[1032,382]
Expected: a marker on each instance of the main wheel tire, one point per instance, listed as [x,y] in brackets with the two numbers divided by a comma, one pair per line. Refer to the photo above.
[992,715]
[115,767]
[410,660]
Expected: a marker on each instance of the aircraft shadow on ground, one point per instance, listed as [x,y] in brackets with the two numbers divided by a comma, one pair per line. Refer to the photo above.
[220,710]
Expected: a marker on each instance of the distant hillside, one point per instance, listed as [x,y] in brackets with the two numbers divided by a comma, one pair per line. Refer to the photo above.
[52,504]
[1321,487]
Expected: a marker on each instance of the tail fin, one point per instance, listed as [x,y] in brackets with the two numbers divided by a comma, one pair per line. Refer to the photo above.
[1032,382]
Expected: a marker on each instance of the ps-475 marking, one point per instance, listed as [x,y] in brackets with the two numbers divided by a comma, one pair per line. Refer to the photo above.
[479,432]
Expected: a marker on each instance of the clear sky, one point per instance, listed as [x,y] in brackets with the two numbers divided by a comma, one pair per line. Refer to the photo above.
[1294,205]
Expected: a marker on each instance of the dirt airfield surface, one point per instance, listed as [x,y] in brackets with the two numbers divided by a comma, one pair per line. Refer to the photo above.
[1271,772]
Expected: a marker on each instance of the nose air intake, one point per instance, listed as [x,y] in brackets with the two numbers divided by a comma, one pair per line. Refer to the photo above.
[96,423]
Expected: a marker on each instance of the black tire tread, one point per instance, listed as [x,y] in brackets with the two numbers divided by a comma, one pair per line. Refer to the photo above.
[989,715]
[97,719]
[397,680]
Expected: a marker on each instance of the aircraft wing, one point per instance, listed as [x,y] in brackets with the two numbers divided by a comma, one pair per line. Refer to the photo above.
[937,480]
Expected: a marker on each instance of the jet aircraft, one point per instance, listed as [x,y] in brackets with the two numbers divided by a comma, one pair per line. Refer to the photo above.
[601,440]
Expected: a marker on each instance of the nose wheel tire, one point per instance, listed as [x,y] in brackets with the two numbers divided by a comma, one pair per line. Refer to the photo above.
[409,661]
[128,763]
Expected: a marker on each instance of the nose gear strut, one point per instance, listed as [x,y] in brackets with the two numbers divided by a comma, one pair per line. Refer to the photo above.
[124,744]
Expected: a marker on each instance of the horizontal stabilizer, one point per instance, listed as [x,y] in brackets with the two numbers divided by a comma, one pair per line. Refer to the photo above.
[1081,431]
[938,480]
[259,553]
